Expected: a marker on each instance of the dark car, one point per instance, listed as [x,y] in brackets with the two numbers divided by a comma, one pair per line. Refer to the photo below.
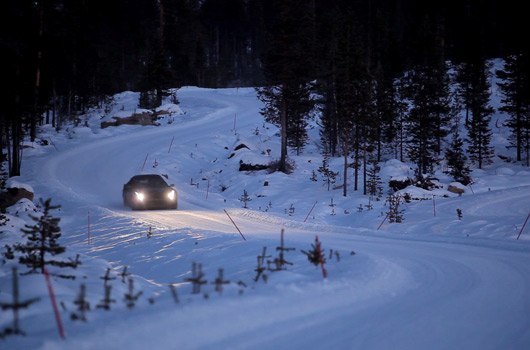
[149,192]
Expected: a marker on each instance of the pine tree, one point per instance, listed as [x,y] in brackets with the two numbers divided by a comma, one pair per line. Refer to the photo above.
[479,131]
[328,175]
[429,93]
[42,241]
[456,160]
[394,214]
[429,115]
[515,87]
[287,66]
[374,183]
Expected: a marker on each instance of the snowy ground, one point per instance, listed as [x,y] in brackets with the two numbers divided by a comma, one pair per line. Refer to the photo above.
[431,282]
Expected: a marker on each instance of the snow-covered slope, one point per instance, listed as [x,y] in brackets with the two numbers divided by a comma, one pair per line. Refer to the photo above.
[432,282]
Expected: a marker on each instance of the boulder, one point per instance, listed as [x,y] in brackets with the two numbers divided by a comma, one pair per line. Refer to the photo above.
[13,195]
[456,189]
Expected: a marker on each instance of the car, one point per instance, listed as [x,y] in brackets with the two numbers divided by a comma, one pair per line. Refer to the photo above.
[149,191]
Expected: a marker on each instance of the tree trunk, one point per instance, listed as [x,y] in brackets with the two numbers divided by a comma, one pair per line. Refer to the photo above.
[36,114]
[346,149]
[356,162]
[14,167]
[283,115]
[364,166]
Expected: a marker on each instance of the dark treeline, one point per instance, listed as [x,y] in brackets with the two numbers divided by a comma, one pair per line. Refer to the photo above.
[60,57]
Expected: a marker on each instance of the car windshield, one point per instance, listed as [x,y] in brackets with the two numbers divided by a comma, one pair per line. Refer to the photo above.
[150,181]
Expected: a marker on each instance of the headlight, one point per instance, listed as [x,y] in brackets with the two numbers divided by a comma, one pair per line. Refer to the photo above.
[139,196]
[171,195]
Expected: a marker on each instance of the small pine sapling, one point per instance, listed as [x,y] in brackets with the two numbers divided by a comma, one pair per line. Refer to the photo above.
[196,278]
[459,213]
[3,221]
[82,305]
[107,277]
[456,160]
[219,281]
[15,306]
[107,300]
[280,261]
[313,176]
[124,274]
[328,175]
[260,268]
[369,206]
[131,298]
[394,214]
[374,183]
[245,198]
[42,240]
[314,255]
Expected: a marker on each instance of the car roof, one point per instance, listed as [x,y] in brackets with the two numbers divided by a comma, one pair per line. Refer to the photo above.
[146,176]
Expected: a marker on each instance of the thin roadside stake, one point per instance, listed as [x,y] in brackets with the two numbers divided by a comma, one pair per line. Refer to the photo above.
[53,144]
[313,207]
[88,229]
[146,156]
[522,228]
[171,144]
[235,224]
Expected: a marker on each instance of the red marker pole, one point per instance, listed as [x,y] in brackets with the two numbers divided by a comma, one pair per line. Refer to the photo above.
[313,207]
[54,304]
[235,224]
[382,222]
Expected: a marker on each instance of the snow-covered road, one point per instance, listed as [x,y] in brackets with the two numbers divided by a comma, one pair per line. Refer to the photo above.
[396,292]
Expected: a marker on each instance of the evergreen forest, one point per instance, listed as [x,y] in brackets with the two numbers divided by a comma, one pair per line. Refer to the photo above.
[381,74]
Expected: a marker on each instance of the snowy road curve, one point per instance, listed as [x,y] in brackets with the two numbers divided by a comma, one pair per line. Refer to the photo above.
[397,292]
